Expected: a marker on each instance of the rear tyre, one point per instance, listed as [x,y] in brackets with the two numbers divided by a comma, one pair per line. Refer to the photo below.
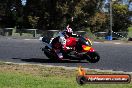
[51,54]
[47,52]
[93,57]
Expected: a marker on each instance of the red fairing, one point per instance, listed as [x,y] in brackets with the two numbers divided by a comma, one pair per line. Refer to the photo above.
[92,50]
[86,38]
[71,42]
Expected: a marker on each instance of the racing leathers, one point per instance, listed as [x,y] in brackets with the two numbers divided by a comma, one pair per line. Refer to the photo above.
[62,39]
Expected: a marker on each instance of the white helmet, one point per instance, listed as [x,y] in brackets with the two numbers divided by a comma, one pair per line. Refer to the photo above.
[69,31]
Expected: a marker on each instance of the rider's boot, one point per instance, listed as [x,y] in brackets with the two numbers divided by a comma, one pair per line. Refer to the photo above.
[60,56]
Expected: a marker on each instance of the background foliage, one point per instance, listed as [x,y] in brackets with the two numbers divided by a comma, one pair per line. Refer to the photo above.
[50,14]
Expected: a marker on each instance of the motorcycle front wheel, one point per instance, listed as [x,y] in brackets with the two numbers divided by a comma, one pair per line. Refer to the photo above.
[92,57]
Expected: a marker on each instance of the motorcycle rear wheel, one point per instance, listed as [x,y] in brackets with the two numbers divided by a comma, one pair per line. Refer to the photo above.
[47,52]
[51,54]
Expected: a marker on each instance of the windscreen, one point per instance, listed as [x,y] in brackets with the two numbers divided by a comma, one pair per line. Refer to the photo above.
[83,41]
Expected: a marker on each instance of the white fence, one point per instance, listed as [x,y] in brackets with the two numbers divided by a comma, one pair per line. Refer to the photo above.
[115,35]
[51,33]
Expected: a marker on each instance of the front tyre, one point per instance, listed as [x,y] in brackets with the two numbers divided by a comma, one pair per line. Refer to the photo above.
[93,57]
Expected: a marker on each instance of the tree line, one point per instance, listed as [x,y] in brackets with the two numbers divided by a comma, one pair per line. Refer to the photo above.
[51,14]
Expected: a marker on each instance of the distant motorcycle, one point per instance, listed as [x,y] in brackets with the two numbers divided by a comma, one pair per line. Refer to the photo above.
[81,49]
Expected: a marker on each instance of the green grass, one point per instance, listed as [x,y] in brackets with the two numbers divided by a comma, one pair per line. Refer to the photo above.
[34,76]
[26,81]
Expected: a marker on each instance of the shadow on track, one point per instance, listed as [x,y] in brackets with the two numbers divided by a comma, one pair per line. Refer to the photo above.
[40,60]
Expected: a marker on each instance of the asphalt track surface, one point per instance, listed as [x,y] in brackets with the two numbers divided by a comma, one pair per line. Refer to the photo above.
[116,57]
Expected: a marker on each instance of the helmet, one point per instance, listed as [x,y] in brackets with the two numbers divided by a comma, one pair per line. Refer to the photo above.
[69,31]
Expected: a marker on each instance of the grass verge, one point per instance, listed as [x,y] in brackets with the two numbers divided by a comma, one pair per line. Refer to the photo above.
[35,76]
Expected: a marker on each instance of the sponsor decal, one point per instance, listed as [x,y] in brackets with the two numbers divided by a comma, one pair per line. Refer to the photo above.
[83,78]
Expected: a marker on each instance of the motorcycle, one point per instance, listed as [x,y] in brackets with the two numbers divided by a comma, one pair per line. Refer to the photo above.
[81,49]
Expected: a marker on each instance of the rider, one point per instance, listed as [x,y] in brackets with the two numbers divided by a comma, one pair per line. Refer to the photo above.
[68,32]
[63,38]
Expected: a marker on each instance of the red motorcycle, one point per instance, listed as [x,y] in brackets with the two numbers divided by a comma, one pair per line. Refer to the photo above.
[81,49]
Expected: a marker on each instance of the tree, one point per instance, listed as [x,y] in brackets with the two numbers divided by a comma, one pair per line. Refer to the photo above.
[50,12]
[98,22]
[10,10]
[81,10]
[120,17]
[33,21]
